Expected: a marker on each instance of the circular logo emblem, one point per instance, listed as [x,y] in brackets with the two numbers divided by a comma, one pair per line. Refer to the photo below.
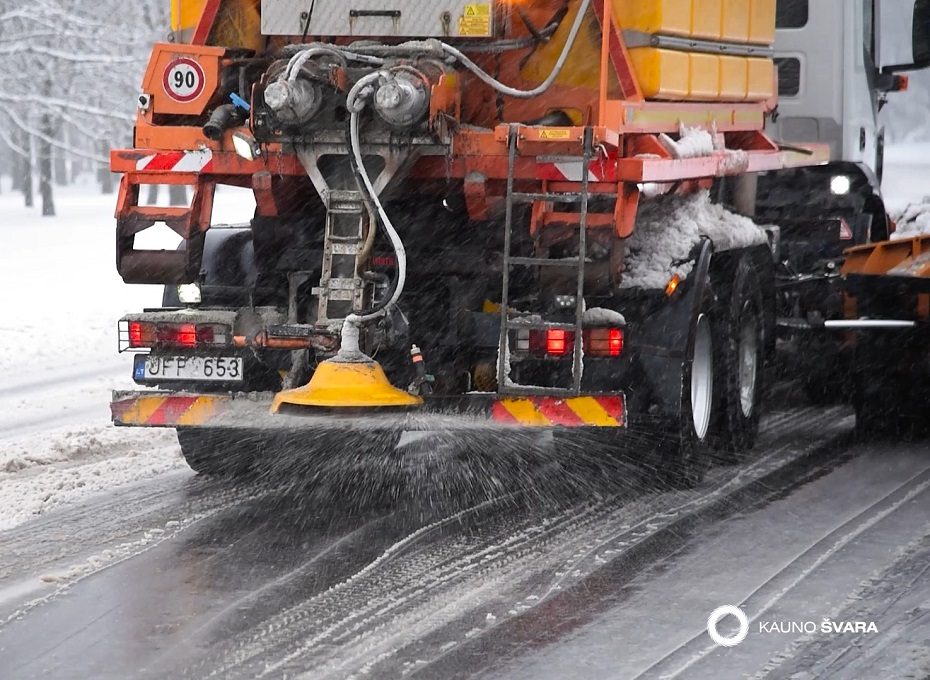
[184,80]
[721,613]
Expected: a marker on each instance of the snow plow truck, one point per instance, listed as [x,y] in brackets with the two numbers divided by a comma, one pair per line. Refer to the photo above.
[565,215]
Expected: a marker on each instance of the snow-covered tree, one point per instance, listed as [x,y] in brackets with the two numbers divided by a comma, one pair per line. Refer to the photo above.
[69,72]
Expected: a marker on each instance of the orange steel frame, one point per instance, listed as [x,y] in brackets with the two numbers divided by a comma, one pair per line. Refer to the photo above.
[906,258]
[626,132]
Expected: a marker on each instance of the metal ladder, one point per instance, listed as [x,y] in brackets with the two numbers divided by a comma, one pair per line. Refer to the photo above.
[346,216]
[505,387]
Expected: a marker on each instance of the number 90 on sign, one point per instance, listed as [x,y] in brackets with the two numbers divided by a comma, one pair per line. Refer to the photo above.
[184,80]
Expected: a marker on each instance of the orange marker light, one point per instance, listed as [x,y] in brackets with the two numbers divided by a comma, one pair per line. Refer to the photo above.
[672,285]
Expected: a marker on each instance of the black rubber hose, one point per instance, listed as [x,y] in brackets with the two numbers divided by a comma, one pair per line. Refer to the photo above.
[223,118]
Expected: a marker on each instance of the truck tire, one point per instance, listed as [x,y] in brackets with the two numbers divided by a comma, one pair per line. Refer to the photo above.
[216,452]
[742,354]
[689,451]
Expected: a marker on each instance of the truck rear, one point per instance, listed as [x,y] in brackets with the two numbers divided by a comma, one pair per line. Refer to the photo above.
[470,216]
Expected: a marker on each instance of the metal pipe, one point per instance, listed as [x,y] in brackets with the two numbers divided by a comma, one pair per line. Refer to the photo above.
[846,324]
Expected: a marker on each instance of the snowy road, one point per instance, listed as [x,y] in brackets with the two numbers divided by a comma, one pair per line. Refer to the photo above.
[180,577]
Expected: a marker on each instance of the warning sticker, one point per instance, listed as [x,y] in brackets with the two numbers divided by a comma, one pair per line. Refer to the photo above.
[476,21]
[555,134]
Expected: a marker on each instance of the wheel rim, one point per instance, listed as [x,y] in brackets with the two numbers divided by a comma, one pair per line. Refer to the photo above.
[748,363]
[702,377]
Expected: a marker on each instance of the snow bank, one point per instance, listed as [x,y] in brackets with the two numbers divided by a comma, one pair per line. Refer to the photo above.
[668,228]
[61,300]
[39,474]
[914,220]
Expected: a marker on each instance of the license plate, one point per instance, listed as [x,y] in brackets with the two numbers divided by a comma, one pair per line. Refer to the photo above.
[201,369]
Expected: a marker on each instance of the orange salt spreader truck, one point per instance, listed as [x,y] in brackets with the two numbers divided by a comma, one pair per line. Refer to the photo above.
[485,215]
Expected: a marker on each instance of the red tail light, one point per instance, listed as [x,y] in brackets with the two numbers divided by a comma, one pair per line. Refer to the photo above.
[552,342]
[559,343]
[184,335]
[598,342]
[141,334]
[604,342]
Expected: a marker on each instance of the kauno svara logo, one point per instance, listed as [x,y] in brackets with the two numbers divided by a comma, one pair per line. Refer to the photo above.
[721,613]
[827,627]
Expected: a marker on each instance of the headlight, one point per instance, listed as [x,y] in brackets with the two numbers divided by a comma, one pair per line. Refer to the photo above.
[840,185]
[189,293]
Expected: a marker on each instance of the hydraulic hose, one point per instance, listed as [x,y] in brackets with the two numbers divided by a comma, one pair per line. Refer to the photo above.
[300,58]
[542,87]
[356,103]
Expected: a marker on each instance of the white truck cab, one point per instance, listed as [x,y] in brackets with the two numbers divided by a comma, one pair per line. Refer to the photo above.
[837,60]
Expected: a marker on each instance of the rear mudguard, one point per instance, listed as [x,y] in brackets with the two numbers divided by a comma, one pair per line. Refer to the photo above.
[665,340]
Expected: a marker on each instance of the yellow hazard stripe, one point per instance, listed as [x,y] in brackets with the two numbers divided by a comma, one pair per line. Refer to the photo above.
[524,412]
[572,412]
[166,411]
[141,410]
[200,412]
[591,412]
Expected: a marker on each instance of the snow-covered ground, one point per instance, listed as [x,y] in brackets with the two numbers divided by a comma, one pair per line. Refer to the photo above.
[907,175]
[906,185]
[61,302]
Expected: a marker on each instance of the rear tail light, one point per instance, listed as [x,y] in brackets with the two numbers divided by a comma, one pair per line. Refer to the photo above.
[141,334]
[552,342]
[145,335]
[603,342]
[183,335]
[598,342]
[559,342]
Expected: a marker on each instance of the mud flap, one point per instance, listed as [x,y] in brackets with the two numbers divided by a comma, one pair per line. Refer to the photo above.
[666,339]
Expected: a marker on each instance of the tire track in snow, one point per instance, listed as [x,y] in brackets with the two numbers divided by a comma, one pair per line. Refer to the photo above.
[369,589]
[67,546]
[350,622]
[766,596]
[656,524]
[30,407]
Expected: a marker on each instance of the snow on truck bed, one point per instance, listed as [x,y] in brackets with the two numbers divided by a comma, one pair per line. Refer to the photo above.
[669,227]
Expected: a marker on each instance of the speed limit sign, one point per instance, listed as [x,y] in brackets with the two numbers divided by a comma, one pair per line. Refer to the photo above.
[184,80]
